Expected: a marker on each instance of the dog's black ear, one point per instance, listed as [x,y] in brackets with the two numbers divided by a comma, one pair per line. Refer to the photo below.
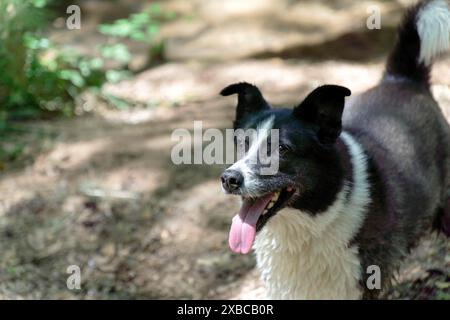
[250,98]
[323,107]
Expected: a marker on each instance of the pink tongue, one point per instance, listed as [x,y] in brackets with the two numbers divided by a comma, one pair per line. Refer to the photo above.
[243,227]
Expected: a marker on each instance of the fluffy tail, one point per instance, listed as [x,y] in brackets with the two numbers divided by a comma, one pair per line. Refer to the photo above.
[423,34]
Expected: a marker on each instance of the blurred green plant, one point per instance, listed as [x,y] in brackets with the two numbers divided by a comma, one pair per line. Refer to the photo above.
[141,27]
[37,78]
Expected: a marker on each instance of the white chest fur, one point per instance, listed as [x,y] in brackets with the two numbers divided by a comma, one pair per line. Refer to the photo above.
[301,256]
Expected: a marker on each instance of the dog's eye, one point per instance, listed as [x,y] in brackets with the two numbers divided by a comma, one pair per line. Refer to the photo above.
[283,149]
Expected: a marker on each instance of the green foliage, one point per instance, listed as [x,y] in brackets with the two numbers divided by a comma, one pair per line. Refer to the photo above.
[39,79]
[117,51]
[36,77]
[141,27]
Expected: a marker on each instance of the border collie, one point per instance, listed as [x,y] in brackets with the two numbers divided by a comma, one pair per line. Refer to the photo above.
[356,186]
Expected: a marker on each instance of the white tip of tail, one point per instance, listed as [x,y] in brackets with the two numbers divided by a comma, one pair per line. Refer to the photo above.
[433,26]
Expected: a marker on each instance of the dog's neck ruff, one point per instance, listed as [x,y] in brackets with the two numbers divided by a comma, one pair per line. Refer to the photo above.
[304,256]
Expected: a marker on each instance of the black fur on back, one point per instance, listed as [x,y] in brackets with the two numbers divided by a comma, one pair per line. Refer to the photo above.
[403,60]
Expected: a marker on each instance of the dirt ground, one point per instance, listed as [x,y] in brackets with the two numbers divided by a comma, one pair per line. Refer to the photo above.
[100,191]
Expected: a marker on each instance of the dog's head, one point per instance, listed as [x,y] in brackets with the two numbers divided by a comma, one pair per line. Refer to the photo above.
[301,143]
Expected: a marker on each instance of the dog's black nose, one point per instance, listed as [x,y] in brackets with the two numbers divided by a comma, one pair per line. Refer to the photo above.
[231,180]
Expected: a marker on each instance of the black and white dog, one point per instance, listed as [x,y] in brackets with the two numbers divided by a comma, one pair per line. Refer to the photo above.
[356,186]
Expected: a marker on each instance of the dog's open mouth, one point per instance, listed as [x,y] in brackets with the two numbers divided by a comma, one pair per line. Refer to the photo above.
[252,216]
